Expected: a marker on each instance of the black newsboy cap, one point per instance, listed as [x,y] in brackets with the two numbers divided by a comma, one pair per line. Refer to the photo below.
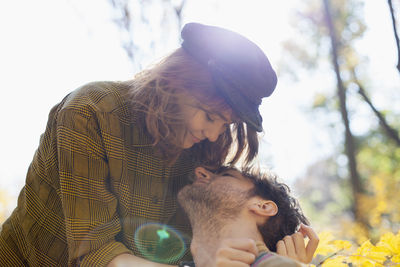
[241,71]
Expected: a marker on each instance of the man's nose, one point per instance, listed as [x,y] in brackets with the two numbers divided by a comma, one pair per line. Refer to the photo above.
[203,174]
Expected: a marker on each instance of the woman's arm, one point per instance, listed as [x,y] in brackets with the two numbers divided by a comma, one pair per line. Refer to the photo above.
[89,206]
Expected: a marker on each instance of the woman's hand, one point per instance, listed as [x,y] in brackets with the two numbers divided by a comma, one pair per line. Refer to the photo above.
[236,252]
[294,247]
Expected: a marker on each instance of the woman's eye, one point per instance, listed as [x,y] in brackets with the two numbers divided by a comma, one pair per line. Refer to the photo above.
[209,118]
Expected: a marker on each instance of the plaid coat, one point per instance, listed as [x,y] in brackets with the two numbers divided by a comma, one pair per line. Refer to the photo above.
[94,180]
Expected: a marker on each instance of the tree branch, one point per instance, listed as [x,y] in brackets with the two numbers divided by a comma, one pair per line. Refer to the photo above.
[390,132]
[178,12]
[124,23]
[396,36]
[355,181]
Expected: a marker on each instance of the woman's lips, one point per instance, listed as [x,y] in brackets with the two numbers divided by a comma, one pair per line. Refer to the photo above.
[195,139]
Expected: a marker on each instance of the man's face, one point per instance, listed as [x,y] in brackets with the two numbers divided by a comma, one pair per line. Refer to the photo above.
[215,196]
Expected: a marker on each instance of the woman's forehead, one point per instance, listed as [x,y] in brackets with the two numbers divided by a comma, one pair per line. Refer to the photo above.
[217,106]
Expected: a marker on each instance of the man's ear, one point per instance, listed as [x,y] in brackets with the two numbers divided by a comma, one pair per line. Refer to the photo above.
[265,208]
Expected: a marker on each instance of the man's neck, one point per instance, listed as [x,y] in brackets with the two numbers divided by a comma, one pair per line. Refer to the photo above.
[205,243]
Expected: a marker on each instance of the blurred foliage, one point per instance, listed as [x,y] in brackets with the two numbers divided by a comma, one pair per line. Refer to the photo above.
[343,241]
[5,201]
[160,19]
[310,48]
[337,253]
[324,191]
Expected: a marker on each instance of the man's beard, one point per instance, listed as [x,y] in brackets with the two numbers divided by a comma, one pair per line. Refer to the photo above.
[209,206]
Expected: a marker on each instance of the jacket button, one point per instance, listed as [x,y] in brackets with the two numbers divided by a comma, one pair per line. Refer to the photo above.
[155,199]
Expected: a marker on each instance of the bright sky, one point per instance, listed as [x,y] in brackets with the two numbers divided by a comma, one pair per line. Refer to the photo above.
[49,48]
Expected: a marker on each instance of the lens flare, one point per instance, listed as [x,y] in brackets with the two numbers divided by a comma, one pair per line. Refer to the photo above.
[159,242]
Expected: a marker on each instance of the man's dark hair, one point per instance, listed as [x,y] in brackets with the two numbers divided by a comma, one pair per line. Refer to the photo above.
[289,215]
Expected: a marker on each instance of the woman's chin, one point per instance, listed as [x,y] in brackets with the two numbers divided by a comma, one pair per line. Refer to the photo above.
[187,146]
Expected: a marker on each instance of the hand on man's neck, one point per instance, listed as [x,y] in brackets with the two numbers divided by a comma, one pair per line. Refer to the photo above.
[205,244]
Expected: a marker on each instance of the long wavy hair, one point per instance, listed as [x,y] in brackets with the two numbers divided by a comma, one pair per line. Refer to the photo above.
[155,93]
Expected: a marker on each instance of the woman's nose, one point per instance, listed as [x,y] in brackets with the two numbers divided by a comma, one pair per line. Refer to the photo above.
[212,136]
[214,132]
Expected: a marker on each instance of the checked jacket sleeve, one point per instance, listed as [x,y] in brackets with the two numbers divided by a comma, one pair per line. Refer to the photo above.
[89,204]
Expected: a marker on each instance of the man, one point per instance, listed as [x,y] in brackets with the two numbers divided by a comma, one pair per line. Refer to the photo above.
[233,214]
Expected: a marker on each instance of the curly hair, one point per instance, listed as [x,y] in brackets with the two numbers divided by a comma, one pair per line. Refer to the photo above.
[289,215]
[155,93]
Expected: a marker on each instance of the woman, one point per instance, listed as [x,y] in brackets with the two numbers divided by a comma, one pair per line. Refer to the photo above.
[115,154]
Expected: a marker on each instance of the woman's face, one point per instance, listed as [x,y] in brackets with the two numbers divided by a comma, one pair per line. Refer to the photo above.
[202,125]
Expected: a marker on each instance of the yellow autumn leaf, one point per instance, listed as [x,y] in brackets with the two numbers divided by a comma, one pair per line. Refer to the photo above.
[396,259]
[325,245]
[342,244]
[390,242]
[362,261]
[367,252]
[335,262]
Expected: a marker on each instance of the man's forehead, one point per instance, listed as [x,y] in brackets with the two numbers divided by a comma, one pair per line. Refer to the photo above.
[232,171]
